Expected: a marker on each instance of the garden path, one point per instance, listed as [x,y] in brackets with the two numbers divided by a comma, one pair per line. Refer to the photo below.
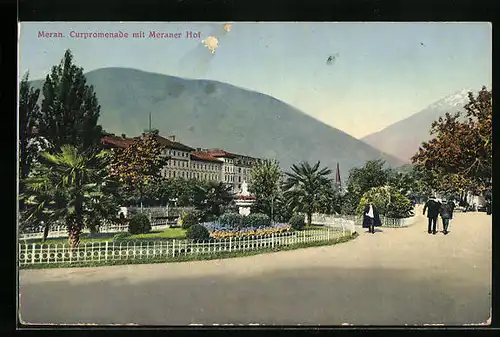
[396,276]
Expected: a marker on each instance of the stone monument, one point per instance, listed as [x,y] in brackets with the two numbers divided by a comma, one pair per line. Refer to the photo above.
[244,200]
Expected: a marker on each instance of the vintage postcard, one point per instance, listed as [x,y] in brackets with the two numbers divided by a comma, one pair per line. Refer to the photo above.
[255,173]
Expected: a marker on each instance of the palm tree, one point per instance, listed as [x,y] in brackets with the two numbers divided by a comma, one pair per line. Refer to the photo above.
[68,186]
[304,187]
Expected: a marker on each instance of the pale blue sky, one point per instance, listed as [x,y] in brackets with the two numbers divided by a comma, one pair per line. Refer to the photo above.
[382,71]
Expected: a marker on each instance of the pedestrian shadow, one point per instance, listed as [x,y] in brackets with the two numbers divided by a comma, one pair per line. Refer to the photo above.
[376,231]
[438,232]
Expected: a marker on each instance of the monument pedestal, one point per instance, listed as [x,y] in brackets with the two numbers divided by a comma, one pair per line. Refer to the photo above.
[244,200]
[244,206]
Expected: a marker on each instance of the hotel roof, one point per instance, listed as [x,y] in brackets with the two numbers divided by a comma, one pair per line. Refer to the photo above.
[221,153]
[203,156]
[115,142]
[170,144]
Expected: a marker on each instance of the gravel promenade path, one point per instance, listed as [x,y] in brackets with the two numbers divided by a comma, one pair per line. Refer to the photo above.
[397,276]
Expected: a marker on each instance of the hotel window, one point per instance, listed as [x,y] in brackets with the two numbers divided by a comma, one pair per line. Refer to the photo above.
[173,174]
[239,179]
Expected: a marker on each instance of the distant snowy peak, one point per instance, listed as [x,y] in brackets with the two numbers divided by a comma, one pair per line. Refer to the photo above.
[456,100]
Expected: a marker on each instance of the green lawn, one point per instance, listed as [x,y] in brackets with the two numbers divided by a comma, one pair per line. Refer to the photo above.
[169,233]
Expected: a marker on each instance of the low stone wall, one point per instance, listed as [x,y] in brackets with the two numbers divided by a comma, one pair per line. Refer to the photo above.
[323,219]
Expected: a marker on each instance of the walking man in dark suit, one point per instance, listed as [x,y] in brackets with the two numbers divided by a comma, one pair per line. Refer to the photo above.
[432,206]
[446,212]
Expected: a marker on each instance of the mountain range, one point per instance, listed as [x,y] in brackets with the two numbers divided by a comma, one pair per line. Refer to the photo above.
[403,138]
[211,114]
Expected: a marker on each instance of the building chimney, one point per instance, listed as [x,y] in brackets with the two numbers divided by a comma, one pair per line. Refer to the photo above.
[172,138]
[198,149]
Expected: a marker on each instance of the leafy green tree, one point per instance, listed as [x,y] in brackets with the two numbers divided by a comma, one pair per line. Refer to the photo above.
[187,192]
[403,183]
[215,197]
[106,206]
[304,187]
[459,157]
[70,110]
[329,199]
[372,174]
[388,201]
[139,164]
[266,185]
[68,185]
[379,196]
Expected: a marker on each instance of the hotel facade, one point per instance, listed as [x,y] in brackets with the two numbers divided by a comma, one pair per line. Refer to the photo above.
[197,163]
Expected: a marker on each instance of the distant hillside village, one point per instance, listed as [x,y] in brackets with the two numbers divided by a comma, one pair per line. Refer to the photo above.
[200,163]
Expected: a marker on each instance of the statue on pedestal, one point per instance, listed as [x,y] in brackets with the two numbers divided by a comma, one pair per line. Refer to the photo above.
[244,189]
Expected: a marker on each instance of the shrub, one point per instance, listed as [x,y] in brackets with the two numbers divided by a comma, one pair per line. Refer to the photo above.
[233,220]
[257,220]
[139,224]
[208,217]
[120,236]
[189,219]
[399,207]
[198,233]
[389,202]
[297,222]
[379,196]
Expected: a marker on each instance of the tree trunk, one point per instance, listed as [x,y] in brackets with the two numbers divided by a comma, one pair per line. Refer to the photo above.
[45,232]
[309,219]
[140,195]
[272,211]
[74,231]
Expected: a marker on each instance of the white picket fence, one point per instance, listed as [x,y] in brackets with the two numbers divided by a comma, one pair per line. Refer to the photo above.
[30,254]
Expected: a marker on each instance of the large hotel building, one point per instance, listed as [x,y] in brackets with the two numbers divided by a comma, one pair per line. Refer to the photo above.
[203,164]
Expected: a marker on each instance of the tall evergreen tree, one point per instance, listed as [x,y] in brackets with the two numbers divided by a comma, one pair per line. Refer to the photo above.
[28,115]
[70,110]
[29,111]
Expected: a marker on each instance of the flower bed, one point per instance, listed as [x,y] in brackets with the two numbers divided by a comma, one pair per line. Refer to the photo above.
[220,231]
